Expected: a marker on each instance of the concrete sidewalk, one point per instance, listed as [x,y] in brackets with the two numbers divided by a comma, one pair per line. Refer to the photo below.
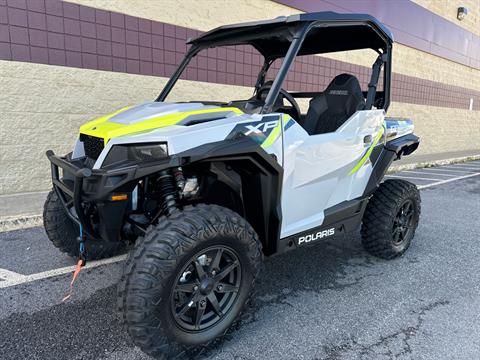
[24,209]
[419,161]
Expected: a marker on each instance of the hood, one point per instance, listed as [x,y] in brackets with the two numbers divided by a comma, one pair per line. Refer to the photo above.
[154,115]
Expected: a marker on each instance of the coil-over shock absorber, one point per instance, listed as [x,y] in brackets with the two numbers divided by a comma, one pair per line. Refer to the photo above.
[167,188]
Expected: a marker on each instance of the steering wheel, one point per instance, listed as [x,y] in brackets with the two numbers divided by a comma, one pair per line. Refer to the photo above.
[293,110]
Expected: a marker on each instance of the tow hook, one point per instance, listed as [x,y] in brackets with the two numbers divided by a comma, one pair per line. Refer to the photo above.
[82,254]
[82,261]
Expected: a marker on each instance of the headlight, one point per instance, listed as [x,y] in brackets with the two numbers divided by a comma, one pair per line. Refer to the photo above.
[136,153]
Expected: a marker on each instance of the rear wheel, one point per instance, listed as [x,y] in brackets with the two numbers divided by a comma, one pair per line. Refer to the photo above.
[186,282]
[391,219]
[63,233]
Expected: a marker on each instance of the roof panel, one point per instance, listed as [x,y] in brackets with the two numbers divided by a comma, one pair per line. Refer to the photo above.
[334,32]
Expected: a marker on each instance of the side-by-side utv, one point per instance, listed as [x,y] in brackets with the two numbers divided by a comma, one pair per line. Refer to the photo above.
[202,190]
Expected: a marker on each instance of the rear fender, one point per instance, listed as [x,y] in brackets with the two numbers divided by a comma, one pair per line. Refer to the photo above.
[404,145]
[383,156]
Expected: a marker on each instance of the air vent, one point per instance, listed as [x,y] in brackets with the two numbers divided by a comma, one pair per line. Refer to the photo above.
[92,145]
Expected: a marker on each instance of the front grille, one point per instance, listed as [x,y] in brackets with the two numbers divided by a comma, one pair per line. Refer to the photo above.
[92,145]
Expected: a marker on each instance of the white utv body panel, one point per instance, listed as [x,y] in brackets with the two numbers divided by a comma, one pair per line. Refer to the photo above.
[179,137]
[315,166]
[317,169]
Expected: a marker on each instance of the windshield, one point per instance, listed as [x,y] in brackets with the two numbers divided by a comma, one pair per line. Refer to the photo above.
[219,74]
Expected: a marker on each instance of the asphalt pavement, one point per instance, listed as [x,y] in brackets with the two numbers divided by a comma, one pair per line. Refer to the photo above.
[330,301]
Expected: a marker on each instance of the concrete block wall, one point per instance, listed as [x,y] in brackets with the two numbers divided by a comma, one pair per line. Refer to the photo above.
[448,10]
[43,106]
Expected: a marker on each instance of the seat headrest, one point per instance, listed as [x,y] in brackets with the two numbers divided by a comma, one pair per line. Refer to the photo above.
[344,85]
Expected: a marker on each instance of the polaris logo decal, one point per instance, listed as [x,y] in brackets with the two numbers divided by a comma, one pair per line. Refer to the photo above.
[315,236]
[261,127]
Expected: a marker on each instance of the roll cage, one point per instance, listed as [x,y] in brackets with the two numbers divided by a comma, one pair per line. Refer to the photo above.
[302,34]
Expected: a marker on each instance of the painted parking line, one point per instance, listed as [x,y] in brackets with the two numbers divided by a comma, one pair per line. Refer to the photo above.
[473,166]
[443,169]
[447,181]
[412,177]
[463,167]
[10,278]
[7,276]
[435,173]
[454,172]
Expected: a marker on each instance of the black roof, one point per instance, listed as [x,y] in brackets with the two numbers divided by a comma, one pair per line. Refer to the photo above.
[332,32]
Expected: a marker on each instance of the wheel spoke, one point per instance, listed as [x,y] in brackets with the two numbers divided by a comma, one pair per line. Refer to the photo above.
[187,287]
[409,211]
[214,301]
[408,207]
[396,235]
[188,304]
[216,260]
[200,270]
[226,270]
[206,288]
[226,288]
[199,314]
[409,216]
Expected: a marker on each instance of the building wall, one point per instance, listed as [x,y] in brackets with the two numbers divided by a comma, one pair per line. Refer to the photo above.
[448,10]
[64,63]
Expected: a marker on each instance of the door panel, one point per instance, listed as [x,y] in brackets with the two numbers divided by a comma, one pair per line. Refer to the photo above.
[319,169]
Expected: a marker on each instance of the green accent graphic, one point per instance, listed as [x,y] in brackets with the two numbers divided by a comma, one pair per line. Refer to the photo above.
[103,128]
[274,134]
[367,154]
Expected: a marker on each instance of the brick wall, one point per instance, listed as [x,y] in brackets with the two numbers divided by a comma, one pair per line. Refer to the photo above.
[60,33]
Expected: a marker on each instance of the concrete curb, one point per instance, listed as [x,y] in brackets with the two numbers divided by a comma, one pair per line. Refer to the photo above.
[426,164]
[20,222]
[26,221]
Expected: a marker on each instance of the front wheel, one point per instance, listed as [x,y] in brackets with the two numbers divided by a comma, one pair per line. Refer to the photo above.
[391,218]
[63,233]
[188,279]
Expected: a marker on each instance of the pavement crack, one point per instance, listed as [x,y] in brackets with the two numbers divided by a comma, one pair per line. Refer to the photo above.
[382,346]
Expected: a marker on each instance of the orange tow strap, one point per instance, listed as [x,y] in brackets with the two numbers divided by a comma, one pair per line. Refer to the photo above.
[78,268]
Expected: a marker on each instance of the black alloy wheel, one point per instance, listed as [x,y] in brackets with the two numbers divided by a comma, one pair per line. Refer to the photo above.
[391,218]
[188,280]
[206,289]
[403,224]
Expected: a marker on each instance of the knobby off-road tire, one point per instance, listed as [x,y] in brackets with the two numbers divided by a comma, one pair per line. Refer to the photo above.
[173,255]
[63,233]
[391,218]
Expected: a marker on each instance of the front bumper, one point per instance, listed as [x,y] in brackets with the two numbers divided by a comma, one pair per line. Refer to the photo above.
[81,186]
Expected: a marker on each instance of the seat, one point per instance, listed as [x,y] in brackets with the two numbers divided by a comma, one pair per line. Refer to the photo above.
[329,110]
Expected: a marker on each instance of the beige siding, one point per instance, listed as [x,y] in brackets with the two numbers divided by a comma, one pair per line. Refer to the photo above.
[205,15]
[198,14]
[441,129]
[42,107]
[448,10]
